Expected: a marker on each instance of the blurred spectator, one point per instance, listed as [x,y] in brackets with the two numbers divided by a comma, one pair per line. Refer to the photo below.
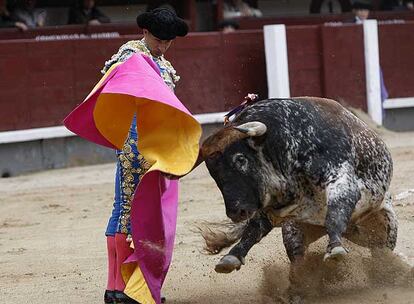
[228,26]
[239,8]
[86,12]
[361,10]
[399,5]
[316,5]
[7,21]
[409,5]
[27,13]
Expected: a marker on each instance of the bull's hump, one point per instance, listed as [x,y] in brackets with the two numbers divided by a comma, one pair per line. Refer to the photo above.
[296,105]
[306,112]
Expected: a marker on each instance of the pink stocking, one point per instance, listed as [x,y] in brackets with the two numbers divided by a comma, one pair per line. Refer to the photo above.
[110,245]
[123,251]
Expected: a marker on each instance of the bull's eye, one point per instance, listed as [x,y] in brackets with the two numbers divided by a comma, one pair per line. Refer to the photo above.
[240,161]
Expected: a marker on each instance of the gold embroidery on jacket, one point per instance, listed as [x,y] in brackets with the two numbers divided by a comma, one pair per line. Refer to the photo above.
[129,175]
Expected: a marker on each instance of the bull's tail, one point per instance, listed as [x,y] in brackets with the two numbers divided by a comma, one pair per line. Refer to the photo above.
[220,235]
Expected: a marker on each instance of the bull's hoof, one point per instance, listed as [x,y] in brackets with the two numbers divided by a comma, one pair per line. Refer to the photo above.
[335,254]
[228,263]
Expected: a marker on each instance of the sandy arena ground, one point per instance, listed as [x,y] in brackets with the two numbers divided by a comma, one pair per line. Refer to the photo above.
[52,245]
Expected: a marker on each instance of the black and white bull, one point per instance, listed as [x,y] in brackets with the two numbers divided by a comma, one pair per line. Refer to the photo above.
[307,165]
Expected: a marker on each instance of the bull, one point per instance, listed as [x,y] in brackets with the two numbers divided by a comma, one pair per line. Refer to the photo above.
[307,165]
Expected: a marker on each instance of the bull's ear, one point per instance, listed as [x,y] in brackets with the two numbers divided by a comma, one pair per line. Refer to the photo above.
[253,128]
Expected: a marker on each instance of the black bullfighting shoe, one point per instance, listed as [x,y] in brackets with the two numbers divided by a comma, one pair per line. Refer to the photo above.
[109,297]
[121,298]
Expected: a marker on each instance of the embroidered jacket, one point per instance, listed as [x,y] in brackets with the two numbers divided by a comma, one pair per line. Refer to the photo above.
[168,72]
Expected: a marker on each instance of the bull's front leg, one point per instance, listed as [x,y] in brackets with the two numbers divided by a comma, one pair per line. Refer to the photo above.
[342,196]
[256,229]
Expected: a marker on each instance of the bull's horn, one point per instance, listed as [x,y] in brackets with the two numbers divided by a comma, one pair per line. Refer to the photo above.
[253,128]
[225,137]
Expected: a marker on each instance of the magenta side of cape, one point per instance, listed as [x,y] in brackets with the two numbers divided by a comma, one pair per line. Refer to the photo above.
[139,77]
[81,121]
[153,223]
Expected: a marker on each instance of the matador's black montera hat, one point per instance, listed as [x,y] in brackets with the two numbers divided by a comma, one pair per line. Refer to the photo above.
[163,23]
[361,4]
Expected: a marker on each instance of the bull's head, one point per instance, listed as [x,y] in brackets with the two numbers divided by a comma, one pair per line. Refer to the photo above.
[236,167]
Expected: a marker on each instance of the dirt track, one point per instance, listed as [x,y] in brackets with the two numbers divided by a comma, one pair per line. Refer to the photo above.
[52,245]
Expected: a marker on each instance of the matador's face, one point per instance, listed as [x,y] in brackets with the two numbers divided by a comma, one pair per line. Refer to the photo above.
[156,46]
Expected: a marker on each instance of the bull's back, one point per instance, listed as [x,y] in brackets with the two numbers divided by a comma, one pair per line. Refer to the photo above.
[310,130]
[320,130]
[373,161]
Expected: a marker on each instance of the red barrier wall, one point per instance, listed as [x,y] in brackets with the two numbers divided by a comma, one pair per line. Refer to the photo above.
[396,58]
[305,55]
[344,64]
[327,61]
[41,81]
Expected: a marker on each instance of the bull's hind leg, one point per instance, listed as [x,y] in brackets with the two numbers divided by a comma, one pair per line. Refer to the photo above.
[342,196]
[376,231]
